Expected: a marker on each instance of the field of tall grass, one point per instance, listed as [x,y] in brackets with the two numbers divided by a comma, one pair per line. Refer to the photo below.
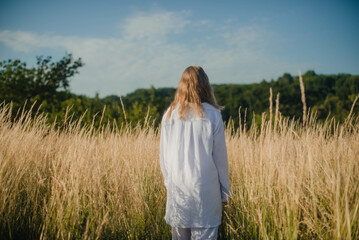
[291,179]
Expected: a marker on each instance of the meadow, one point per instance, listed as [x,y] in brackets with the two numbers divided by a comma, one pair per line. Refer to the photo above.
[290,178]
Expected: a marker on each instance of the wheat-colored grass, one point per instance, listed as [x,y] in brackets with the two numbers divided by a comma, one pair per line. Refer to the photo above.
[80,183]
[302,92]
[270,105]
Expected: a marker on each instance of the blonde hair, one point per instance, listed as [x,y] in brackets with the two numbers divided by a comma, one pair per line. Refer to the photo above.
[193,89]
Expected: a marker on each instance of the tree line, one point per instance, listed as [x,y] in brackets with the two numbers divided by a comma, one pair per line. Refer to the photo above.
[47,85]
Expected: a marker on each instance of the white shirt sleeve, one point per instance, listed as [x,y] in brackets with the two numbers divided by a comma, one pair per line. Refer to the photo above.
[220,159]
[162,156]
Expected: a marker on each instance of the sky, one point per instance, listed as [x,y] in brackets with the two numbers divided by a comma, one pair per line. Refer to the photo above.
[127,45]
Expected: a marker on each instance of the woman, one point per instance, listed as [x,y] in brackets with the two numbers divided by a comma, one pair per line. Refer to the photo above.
[193,159]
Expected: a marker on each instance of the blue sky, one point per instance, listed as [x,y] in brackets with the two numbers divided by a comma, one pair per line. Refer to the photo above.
[127,45]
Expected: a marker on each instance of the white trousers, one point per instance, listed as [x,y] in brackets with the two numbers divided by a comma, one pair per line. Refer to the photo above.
[194,233]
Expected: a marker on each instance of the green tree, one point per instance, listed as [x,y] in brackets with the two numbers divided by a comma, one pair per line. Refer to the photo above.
[19,83]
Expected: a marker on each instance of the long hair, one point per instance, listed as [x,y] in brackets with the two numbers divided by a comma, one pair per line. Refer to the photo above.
[193,89]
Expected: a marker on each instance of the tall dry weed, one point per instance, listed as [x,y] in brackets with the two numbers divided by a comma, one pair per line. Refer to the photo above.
[302,92]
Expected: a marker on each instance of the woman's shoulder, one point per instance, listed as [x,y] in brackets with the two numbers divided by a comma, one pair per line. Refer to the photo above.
[164,116]
[209,107]
[212,113]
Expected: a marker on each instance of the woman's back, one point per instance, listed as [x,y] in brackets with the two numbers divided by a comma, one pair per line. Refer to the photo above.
[193,158]
[194,161]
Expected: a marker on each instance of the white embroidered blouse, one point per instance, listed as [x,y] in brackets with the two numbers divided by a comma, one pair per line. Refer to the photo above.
[193,158]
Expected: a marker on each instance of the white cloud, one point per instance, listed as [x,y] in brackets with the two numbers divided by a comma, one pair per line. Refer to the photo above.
[154,49]
[154,26]
[23,41]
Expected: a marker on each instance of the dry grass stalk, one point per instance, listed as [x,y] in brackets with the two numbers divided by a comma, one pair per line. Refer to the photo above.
[352,109]
[147,116]
[102,115]
[302,91]
[276,116]
[245,120]
[270,105]
[240,119]
[123,109]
